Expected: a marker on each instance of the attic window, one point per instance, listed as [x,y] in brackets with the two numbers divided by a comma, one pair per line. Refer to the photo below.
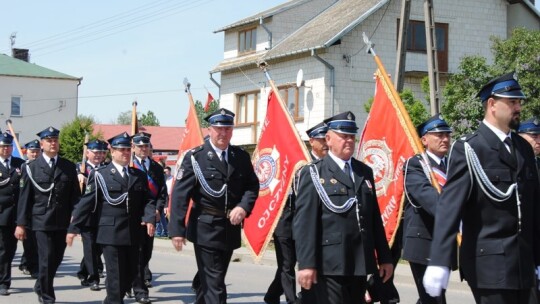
[247,40]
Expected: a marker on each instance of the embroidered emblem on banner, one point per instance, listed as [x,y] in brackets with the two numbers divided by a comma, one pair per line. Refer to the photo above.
[266,165]
[376,154]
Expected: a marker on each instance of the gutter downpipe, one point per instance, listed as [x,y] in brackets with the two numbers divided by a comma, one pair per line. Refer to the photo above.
[267,31]
[332,76]
[215,82]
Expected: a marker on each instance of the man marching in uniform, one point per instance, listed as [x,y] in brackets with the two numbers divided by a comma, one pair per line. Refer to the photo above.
[492,193]
[530,130]
[337,225]
[284,281]
[29,257]
[220,180]
[10,174]
[422,199]
[157,190]
[118,194]
[49,190]
[91,264]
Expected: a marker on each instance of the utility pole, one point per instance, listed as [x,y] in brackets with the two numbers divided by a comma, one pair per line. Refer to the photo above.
[431,51]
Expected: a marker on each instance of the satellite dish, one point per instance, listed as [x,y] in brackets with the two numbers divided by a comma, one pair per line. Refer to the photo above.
[300,78]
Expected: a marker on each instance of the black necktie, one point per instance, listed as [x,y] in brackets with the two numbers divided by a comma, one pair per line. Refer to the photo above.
[143,165]
[443,164]
[52,161]
[508,142]
[125,175]
[6,163]
[224,160]
[347,170]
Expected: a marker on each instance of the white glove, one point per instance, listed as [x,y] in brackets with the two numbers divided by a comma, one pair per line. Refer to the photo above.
[436,279]
[538,277]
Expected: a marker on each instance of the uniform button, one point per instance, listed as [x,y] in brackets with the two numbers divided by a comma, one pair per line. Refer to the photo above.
[418,234]
[362,230]
[361,217]
[520,196]
[482,250]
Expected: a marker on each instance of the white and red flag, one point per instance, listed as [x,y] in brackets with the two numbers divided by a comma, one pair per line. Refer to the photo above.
[387,141]
[209,100]
[279,153]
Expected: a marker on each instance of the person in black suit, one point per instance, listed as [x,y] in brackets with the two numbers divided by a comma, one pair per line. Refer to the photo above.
[118,195]
[10,174]
[220,180]
[530,130]
[91,267]
[29,258]
[284,280]
[492,193]
[337,226]
[157,190]
[49,190]
[422,198]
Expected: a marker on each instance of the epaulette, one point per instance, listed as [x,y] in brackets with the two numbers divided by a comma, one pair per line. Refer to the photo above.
[197,149]
[101,166]
[468,137]
[30,160]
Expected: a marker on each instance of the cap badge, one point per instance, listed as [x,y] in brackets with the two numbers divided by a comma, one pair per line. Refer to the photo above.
[223,112]
[536,121]
[349,116]
[125,134]
[515,76]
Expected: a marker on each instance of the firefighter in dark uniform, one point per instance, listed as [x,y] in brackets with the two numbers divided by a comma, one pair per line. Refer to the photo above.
[157,190]
[337,225]
[530,130]
[49,190]
[118,194]
[422,198]
[284,281]
[29,257]
[91,265]
[492,193]
[220,180]
[10,174]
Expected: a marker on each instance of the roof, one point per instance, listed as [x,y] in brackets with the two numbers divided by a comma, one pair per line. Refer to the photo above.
[327,28]
[10,66]
[236,62]
[163,138]
[264,14]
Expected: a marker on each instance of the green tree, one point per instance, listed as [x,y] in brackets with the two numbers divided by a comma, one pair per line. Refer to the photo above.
[416,109]
[148,119]
[519,53]
[201,114]
[124,118]
[72,137]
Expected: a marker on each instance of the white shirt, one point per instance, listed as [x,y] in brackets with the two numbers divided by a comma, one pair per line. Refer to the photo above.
[341,163]
[48,159]
[120,169]
[218,151]
[500,134]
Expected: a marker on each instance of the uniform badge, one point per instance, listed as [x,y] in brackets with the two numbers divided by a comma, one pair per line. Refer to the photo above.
[342,190]
[0,174]
[321,181]
[368,183]
[113,170]
[210,155]
[88,188]
[333,181]
[21,183]
[18,171]
[180,174]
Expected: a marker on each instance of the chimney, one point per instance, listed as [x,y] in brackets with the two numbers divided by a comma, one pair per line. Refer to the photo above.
[21,54]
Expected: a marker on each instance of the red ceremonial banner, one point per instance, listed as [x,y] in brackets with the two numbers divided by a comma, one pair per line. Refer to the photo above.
[279,153]
[191,138]
[386,143]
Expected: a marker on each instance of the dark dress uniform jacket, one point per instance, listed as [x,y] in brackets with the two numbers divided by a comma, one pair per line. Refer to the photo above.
[118,225]
[418,221]
[334,243]
[9,192]
[493,253]
[34,208]
[208,225]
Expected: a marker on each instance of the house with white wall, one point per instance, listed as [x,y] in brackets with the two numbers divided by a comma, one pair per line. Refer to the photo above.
[324,39]
[34,97]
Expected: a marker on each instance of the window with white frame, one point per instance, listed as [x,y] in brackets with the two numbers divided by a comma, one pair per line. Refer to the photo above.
[15,105]
[246,108]
[293,97]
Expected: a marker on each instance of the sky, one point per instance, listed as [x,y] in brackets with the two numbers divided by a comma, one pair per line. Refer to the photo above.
[128,50]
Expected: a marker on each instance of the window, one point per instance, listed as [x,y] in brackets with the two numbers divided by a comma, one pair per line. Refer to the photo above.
[246,108]
[247,40]
[294,99]
[416,41]
[15,106]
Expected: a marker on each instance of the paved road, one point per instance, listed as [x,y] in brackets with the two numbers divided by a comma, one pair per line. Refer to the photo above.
[173,271]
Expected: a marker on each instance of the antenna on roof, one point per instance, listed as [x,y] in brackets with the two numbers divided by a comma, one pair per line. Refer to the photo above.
[12,39]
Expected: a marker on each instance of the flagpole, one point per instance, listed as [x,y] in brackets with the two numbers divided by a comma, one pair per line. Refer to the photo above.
[134,126]
[82,167]
[10,127]
[401,109]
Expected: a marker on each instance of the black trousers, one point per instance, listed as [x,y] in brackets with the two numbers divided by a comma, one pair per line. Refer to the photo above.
[145,254]
[8,246]
[51,246]
[122,268]
[212,265]
[90,264]
[418,271]
[504,296]
[29,258]
[284,280]
[340,289]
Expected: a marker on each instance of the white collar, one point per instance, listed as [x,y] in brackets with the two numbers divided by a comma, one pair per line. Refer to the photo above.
[48,159]
[218,150]
[435,157]
[340,162]
[500,134]
[120,168]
